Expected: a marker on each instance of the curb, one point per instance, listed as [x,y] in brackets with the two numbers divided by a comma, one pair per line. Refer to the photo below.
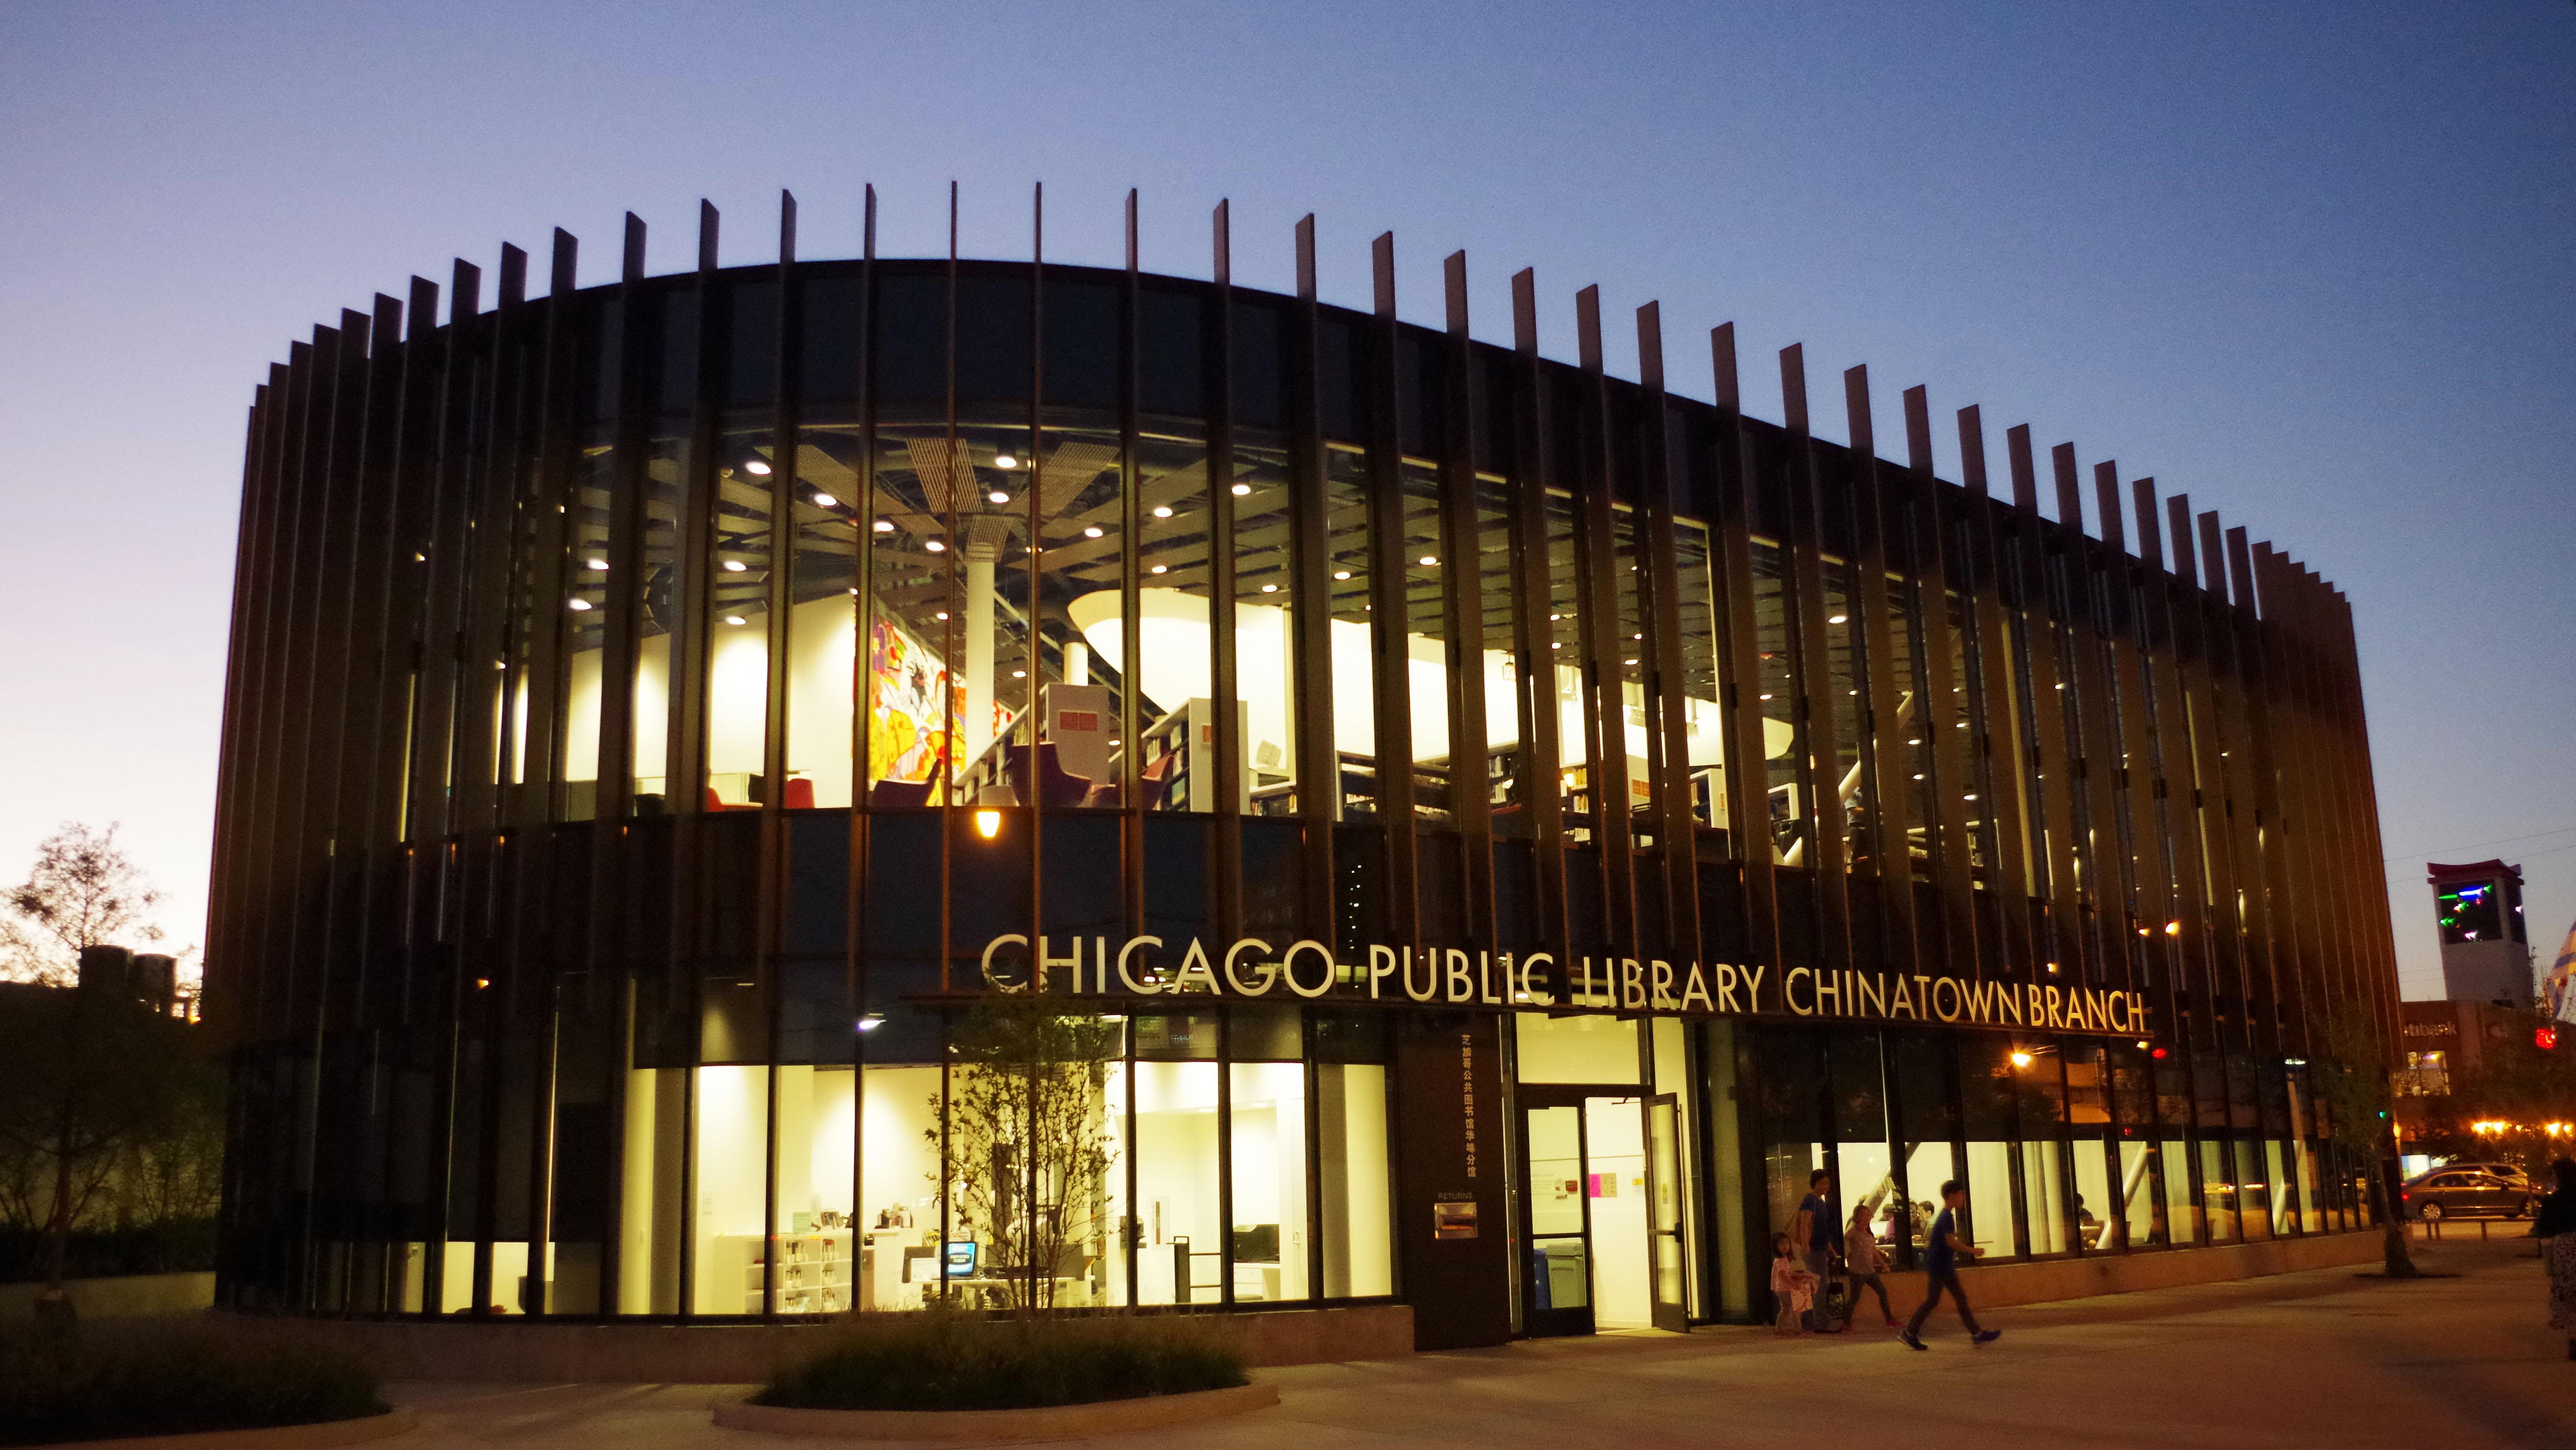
[321,1436]
[1046,1422]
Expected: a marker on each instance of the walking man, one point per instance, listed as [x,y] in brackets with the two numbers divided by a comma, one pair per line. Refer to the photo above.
[1815,1238]
[1941,1271]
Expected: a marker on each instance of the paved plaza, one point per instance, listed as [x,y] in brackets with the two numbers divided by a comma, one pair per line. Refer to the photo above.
[2324,1357]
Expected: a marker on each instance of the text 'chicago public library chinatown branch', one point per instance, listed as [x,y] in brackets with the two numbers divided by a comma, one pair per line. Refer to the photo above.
[1477,832]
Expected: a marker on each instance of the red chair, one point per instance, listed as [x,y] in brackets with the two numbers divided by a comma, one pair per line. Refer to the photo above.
[800,794]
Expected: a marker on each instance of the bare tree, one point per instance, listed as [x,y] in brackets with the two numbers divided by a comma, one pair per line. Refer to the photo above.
[2352,1060]
[1027,1149]
[83,892]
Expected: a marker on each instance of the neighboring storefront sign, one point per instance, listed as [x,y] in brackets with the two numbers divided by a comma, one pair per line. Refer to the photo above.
[1149,966]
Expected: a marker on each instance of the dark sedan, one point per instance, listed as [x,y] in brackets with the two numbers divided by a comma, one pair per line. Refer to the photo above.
[2465,1193]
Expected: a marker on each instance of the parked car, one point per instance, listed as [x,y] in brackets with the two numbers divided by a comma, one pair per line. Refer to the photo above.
[2452,1191]
[2510,1172]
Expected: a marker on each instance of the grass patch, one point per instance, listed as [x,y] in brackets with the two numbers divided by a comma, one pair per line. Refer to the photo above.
[942,1361]
[111,1380]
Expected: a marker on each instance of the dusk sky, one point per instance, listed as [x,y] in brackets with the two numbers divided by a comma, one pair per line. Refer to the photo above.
[2315,266]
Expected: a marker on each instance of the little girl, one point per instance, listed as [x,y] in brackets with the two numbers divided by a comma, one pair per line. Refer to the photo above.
[1792,1287]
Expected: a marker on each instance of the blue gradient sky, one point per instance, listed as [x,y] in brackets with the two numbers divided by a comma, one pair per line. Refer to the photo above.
[2310,264]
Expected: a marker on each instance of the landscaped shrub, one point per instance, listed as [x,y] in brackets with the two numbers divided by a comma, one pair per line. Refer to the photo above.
[110,1380]
[938,1361]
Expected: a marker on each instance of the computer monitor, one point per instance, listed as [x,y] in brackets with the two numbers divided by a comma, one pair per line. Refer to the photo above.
[961,1258]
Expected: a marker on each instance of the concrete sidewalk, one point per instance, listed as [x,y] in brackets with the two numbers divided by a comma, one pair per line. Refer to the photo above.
[2323,1357]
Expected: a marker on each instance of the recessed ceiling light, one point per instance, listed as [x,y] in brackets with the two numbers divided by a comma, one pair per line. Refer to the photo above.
[1159,568]
[1092,532]
[1341,573]
[998,496]
[1269,588]
[756,467]
[1241,489]
[735,566]
[736,619]
[825,500]
[577,605]
[885,526]
[1162,511]
[1005,460]
[935,546]
[586,563]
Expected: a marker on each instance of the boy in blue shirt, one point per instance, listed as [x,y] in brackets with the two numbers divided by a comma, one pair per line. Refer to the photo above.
[1941,1271]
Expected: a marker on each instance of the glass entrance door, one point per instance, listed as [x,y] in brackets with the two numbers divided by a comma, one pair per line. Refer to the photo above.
[1603,1233]
[1557,1278]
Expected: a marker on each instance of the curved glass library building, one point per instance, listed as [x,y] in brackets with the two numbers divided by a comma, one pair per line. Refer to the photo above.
[836,786]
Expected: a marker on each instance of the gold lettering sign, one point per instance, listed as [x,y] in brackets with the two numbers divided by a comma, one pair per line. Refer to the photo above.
[1148,966]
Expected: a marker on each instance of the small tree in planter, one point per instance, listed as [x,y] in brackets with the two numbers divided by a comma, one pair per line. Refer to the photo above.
[2351,1060]
[1026,1149]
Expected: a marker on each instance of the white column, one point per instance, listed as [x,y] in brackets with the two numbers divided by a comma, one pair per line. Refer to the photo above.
[977,728]
[1077,662]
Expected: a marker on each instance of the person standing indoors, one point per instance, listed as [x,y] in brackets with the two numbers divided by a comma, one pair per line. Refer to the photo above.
[1814,1236]
[1864,1260]
[2556,1231]
[1941,1271]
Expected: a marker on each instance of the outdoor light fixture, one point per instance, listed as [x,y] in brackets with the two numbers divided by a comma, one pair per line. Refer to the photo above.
[1005,460]
[756,467]
[824,500]
[988,824]
[2020,1058]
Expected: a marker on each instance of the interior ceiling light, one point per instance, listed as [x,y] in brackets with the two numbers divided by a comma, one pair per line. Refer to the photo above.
[935,546]
[1838,619]
[1241,489]
[736,619]
[1162,511]
[576,605]
[885,526]
[988,824]
[1092,532]
[943,614]
[1005,460]
[756,467]
[1019,674]
[1341,573]
[600,564]
[1428,560]
[825,500]
[1269,588]
[998,496]
[735,566]
[1159,568]
[419,558]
